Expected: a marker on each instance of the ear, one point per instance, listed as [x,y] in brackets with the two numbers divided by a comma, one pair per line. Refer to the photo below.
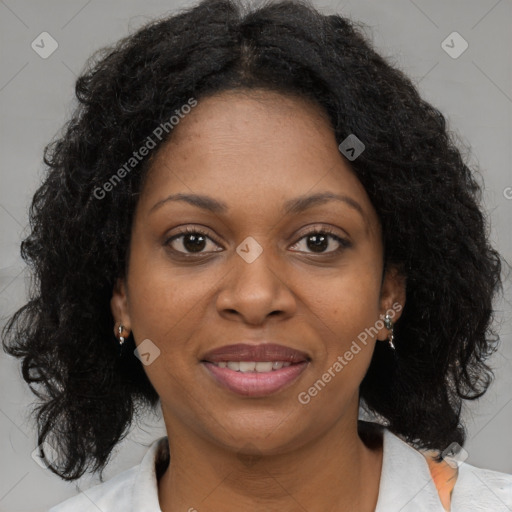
[119,304]
[392,297]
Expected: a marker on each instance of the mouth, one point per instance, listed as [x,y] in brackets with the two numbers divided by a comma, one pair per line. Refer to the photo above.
[253,366]
[255,370]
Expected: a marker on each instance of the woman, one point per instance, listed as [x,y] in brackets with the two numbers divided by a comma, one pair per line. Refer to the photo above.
[255,223]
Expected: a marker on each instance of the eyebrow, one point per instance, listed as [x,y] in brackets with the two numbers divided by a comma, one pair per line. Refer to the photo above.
[204,202]
[302,203]
[292,206]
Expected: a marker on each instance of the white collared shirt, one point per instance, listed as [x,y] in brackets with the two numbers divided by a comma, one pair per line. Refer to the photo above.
[406,485]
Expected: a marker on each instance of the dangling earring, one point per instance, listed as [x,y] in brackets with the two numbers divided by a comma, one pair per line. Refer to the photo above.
[389,326]
[119,334]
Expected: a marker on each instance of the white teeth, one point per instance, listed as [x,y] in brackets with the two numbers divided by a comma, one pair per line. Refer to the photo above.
[263,367]
[247,366]
[253,366]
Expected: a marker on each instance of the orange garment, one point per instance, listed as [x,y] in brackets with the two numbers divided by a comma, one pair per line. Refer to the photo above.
[444,477]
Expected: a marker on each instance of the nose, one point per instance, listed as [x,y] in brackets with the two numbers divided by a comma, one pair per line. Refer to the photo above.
[254,291]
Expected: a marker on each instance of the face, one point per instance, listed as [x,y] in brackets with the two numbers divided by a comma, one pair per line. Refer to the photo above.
[255,260]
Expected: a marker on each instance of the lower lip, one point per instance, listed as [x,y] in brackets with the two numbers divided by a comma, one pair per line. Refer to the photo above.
[254,383]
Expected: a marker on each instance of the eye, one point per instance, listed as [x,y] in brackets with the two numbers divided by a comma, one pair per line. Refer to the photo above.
[190,241]
[193,240]
[319,240]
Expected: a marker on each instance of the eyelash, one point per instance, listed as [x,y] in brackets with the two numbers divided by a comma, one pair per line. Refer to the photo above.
[344,244]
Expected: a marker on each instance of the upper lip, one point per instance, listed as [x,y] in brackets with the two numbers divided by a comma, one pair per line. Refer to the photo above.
[260,352]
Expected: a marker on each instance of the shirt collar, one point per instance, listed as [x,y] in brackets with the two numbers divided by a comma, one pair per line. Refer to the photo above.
[405,483]
[145,488]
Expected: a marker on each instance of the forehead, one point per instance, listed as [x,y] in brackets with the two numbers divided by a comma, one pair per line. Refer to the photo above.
[254,148]
[235,108]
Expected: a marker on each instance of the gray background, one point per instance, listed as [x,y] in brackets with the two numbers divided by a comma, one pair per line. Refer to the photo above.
[36,98]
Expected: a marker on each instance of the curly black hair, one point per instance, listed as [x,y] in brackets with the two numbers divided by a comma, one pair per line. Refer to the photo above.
[428,200]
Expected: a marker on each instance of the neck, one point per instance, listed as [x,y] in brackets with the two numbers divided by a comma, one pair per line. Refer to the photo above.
[339,472]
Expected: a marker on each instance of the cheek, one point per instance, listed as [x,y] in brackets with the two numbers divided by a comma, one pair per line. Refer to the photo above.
[163,307]
[346,309]
[163,300]
[349,299]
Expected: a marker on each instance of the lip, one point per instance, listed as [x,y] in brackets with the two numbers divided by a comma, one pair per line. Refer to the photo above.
[261,352]
[255,384]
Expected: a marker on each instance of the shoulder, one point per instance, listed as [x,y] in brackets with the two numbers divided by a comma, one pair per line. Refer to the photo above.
[103,496]
[415,485]
[480,489]
[132,490]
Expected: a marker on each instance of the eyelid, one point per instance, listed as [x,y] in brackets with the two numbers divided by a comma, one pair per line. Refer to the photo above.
[330,231]
[190,230]
[322,228]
